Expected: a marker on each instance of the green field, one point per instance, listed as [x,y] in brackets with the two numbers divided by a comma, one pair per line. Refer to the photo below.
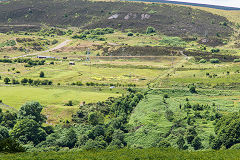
[54,98]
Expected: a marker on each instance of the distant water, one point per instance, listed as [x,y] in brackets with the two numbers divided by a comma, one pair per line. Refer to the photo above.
[192,4]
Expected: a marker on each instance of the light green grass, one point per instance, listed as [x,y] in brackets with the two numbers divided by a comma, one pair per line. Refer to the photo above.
[18,95]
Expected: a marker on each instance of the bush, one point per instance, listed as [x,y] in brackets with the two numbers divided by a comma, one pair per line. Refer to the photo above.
[215,50]
[165,96]
[196,143]
[215,60]
[41,74]
[130,34]
[236,60]
[236,146]
[54,41]
[202,61]
[192,89]
[69,103]
[6,80]
[150,30]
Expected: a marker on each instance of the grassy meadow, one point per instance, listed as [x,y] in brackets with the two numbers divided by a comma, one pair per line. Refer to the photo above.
[54,98]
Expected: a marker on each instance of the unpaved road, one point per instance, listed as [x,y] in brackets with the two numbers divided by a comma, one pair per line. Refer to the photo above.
[49,50]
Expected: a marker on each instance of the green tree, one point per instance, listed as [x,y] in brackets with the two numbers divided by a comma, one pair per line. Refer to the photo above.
[227,130]
[32,110]
[8,119]
[41,74]
[3,133]
[180,142]
[6,80]
[69,139]
[28,130]
[196,143]
[95,118]
[192,89]
[24,81]
[150,30]
[11,146]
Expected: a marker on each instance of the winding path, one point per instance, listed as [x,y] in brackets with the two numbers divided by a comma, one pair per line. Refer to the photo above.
[49,50]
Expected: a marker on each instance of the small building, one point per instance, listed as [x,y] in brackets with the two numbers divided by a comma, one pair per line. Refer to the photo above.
[45,57]
[71,63]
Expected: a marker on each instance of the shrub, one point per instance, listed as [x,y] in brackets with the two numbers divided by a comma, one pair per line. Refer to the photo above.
[150,30]
[54,41]
[69,103]
[130,34]
[215,60]
[196,143]
[192,89]
[41,74]
[202,61]
[236,60]
[215,50]
[6,80]
[165,96]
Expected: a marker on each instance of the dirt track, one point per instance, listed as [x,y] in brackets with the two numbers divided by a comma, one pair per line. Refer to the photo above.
[49,50]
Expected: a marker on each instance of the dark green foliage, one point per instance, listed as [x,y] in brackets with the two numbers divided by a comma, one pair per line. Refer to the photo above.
[169,115]
[165,96]
[214,60]
[98,143]
[95,118]
[191,134]
[236,60]
[14,81]
[6,60]
[54,41]
[3,133]
[215,50]
[202,61]
[130,34]
[196,143]
[192,89]
[69,103]
[41,74]
[28,130]
[29,62]
[8,119]
[68,139]
[94,34]
[150,30]
[6,80]
[10,145]
[32,110]
[163,144]
[24,81]
[180,142]
[227,130]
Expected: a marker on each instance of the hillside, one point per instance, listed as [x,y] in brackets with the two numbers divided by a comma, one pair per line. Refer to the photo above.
[98,79]
[167,19]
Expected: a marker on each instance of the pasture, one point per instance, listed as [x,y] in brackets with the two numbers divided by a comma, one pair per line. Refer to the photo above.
[54,98]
